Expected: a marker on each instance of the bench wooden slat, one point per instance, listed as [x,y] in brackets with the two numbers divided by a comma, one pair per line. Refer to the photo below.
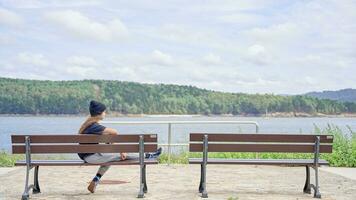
[83,138]
[302,148]
[297,162]
[83,148]
[256,137]
[81,163]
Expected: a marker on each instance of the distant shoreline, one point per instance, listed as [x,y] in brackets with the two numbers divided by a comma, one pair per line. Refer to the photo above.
[269,115]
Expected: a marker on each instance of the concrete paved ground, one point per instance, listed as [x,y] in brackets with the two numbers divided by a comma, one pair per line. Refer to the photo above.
[179,182]
[342,171]
[5,170]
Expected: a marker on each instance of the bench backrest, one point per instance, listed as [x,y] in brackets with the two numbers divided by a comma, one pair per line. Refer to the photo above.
[45,144]
[297,143]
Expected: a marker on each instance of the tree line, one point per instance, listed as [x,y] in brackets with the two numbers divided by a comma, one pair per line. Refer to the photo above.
[18,96]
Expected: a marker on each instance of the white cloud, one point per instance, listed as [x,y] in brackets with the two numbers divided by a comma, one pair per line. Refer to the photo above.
[81,71]
[81,26]
[155,58]
[126,73]
[241,18]
[257,54]
[10,18]
[82,67]
[276,33]
[48,3]
[160,58]
[6,39]
[232,5]
[32,59]
[82,61]
[186,35]
[211,59]
[221,45]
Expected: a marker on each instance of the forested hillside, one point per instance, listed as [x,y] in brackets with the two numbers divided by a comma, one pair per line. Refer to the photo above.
[339,95]
[19,96]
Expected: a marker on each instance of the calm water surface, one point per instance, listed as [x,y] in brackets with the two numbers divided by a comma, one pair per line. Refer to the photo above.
[180,132]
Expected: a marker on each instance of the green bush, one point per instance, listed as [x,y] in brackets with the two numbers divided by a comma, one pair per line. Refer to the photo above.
[344,147]
[181,158]
[8,160]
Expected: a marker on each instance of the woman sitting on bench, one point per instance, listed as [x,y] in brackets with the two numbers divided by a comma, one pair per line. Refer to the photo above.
[92,126]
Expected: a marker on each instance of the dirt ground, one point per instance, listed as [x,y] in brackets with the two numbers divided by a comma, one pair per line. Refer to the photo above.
[179,182]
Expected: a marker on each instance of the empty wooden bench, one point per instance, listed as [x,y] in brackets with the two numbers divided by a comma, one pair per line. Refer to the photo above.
[59,144]
[277,143]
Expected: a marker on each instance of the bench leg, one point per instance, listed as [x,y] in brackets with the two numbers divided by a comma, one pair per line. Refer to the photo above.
[316,187]
[141,192]
[144,179]
[201,179]
[307,188]
[36,188]
[316,168]
[204,193]
[142,185]
[25,195]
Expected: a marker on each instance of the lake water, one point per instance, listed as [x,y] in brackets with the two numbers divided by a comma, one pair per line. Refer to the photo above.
[180,132]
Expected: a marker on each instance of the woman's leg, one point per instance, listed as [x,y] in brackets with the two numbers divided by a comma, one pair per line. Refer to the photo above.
[102,158]
[97,159]
[105,158]
[132,156]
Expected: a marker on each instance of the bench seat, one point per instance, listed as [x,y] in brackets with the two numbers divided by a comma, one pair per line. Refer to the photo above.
[82,163]
[295,162]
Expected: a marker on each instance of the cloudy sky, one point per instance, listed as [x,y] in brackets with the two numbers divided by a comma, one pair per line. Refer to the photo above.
[275,46]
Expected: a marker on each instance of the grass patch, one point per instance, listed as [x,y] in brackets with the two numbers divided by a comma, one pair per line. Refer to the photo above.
[181,158]
[8,160]
[344,147]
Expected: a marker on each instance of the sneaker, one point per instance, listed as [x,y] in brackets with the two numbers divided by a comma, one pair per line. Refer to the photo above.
[92,186]
[154,154]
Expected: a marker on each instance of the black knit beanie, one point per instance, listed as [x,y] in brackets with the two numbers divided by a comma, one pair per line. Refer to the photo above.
[96,108]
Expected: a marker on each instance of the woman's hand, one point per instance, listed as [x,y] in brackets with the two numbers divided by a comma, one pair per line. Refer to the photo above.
[123,156]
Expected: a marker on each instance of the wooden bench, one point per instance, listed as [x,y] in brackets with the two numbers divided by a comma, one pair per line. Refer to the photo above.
[277,143]
[59,144]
